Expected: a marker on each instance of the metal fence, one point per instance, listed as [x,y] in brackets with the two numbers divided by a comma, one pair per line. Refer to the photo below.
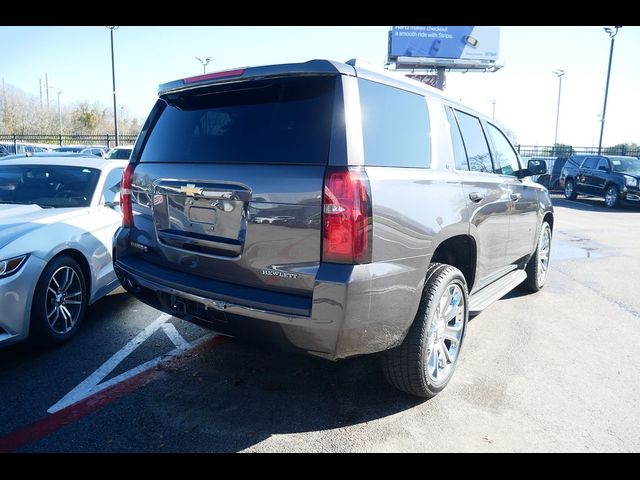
[107,140]
[553,151]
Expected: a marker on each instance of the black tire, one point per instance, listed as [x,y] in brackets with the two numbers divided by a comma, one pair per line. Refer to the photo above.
[612,197]
[570,190]
[535,280]
[405,367]
[41,331]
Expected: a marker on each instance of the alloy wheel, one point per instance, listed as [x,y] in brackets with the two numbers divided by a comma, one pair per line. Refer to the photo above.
[63,300]
[611,197]
[568,189]
[544,248]
[445,334]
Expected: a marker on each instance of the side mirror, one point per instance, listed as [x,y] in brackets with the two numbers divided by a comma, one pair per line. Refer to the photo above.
[537,167]
[534,167]
[603,168]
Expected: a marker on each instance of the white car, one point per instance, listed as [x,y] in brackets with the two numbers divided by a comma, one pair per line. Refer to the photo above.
[57,218]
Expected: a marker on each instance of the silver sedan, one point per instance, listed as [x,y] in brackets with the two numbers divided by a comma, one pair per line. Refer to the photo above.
[57,218]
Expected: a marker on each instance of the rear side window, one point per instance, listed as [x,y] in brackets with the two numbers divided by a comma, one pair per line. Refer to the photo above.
[574,162]
[505,158]
[590,162]
[395,126]
[603,164]
[281,120]
[475,143]
[459,153]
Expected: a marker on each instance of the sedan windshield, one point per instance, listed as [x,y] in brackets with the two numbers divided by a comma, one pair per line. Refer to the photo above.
[119,154]
[55,186]
[625,164]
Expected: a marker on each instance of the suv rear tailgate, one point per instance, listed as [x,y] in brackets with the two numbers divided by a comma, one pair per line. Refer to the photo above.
[228,185]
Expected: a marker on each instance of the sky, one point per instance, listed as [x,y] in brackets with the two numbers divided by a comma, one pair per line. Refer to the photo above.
[78,62]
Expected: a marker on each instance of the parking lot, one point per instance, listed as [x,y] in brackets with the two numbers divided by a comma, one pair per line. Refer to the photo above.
[555,371]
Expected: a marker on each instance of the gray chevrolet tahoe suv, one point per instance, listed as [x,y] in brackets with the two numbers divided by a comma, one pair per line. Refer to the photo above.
[337,209]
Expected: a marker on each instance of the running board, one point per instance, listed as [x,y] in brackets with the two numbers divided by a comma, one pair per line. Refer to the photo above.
[498,289]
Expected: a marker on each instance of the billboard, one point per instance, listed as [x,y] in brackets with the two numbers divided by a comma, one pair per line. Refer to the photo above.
[457,43]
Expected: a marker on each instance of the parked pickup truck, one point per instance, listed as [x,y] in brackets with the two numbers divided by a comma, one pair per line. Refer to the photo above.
[615,178]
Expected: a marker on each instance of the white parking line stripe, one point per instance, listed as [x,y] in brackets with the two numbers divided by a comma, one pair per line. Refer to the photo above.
[90,384]
[134,371]
[174,336]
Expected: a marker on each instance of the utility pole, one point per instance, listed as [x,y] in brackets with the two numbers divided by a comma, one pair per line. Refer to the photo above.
[559,73]
[46,83]
[612,33]
[113,76]
[40,82]
[4,102]
[60,116]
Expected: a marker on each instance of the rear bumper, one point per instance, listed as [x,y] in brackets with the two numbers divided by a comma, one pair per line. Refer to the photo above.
[354,310]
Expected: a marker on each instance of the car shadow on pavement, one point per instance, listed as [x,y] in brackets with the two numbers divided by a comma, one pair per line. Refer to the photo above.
[242,393]
[586,204]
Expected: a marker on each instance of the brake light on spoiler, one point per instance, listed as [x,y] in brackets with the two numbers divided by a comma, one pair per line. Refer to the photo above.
[211,76]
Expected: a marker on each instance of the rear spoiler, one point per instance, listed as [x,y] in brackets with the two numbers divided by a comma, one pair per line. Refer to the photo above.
[319,67]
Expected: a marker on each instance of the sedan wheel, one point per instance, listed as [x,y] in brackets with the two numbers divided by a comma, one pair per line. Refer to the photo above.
[59,301]
[64,300]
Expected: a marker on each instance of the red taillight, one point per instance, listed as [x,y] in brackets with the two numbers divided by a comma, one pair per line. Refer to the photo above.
[125,196]
[210,76]
[346,216]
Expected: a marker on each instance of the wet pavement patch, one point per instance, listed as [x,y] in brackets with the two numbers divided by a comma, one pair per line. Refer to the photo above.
[572,247]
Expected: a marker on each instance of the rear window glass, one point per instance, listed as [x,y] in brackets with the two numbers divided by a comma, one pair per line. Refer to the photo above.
[395,126]
[285,120]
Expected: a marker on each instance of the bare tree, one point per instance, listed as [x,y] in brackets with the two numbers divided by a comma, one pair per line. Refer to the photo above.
[21,113]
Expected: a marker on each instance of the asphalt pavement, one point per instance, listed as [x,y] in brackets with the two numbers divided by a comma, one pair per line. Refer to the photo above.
[554,371]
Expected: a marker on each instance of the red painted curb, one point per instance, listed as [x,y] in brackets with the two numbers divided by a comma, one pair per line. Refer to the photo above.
[41,428]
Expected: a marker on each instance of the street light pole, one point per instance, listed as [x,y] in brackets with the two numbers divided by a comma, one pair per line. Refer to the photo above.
[612,33]
[60,116]
[204,63]
[559,73]
[493,111]
[113,76]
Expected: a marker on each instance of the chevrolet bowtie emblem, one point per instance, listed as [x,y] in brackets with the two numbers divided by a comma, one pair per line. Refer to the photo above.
[191,190]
